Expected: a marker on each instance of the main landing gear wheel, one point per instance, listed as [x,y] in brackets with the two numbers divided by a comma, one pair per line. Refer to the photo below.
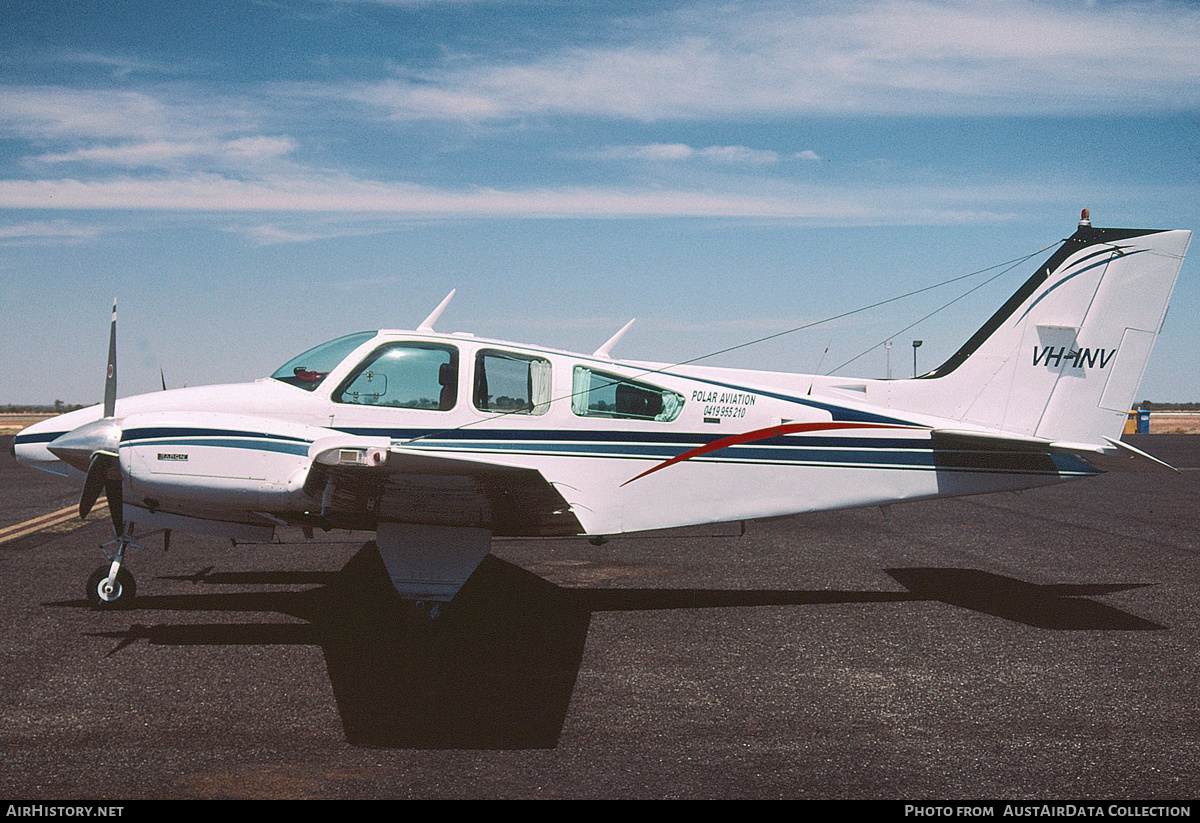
[120,596]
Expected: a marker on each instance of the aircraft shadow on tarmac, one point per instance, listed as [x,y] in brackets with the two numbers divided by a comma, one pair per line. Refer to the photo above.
[498,670]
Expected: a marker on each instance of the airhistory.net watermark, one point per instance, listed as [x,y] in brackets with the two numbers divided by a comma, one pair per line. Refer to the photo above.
[47,810]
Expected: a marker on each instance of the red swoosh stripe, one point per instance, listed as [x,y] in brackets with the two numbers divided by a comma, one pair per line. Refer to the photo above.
[757,434]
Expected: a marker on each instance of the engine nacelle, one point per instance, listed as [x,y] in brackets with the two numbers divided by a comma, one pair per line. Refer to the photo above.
[213,460]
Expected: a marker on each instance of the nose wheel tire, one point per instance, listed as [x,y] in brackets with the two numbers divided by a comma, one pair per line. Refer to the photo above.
[120,596]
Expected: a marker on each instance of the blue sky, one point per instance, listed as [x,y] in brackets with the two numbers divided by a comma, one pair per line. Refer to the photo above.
[251,178]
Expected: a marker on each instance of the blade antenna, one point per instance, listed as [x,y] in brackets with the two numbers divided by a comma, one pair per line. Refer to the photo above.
[605,350]
[427,323]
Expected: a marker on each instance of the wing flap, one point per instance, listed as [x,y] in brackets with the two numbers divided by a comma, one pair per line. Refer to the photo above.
[362,479]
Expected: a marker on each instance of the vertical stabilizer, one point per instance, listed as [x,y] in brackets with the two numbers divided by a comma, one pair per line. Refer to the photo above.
[1062,359]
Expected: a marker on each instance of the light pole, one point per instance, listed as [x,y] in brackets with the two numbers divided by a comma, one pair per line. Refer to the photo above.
[916,345]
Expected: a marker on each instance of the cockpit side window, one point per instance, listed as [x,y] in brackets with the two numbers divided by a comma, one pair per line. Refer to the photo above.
[408,375]
[309,369]
[600,394]
[511,383]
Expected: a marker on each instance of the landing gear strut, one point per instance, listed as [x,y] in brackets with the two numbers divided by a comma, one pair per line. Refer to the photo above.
[112,586]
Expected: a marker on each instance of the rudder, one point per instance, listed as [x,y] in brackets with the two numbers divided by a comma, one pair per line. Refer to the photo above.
[1062,359]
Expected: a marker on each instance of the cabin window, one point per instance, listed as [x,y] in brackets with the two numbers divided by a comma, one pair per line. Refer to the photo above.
[406,375]
[600,394]
[511,383]
[311,368]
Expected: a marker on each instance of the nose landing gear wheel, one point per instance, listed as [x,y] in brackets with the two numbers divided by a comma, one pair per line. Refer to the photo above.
[119,597]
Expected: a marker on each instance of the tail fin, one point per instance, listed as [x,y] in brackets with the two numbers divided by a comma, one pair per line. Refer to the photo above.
[1062,359]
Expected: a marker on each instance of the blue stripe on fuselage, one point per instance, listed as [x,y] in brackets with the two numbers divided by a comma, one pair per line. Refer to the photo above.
[182,431]
[794,450]
[255,444]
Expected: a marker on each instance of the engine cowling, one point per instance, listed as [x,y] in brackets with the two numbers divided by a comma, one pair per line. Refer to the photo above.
[177,460]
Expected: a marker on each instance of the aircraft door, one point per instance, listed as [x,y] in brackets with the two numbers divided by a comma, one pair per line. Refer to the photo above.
[398,377]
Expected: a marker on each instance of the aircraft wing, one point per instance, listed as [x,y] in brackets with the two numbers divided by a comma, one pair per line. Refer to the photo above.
[355,475]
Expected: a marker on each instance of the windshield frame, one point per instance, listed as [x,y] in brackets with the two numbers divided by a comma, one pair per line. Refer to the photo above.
[310,368]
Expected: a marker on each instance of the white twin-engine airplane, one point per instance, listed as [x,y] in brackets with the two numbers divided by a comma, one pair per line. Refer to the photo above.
[439,441]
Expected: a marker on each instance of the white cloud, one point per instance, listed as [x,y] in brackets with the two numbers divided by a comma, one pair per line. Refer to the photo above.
[889,57]
[211,192]
[215,153]
[47,232]
[58,113]
[257,148]
[405,3]
[268,234]
[334,194]
[681,151]
[652,151]
[120,66]
[272,234]
[168,153]
[738,154]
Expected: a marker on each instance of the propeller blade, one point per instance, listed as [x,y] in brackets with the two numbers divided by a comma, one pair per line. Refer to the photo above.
[93,446]
[97,475]
[110,380]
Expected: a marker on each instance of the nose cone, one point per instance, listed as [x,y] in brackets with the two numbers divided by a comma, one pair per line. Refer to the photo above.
[77,446]
[30,443]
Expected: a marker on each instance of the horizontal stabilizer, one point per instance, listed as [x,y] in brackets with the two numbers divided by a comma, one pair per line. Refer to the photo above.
[1115,457]
[987,441]
[1112,455]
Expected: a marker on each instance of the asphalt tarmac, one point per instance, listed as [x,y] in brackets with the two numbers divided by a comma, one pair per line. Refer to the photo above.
[1035,646]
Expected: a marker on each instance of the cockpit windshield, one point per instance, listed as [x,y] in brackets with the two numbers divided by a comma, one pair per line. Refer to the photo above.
[309,369]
